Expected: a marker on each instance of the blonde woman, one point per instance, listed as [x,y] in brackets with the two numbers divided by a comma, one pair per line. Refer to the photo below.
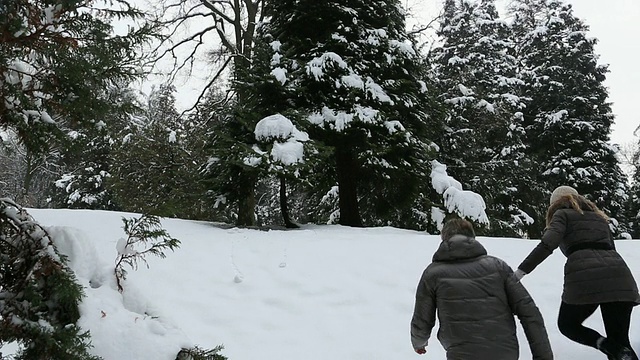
[595,275]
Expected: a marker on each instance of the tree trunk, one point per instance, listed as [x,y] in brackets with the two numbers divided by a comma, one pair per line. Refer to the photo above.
[284,209]
[347,169]
[247,194]
[247,204]
[28,178]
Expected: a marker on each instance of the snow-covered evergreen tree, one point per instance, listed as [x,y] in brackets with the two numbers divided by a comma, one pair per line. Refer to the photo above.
[230,171]
[87,153]
[352,72]
[568,118]
[156,161]
[633,203]
[483,145]
[282,147]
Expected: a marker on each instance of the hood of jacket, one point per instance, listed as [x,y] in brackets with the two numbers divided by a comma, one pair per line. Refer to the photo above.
[459,247]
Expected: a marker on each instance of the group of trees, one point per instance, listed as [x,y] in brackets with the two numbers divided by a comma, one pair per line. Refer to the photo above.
[514,109]
[528,110]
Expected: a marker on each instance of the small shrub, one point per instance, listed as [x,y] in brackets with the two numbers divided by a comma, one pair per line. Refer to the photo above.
[144,236]
[196,353]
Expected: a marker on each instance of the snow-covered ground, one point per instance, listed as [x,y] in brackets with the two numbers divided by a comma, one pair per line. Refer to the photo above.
[317,293]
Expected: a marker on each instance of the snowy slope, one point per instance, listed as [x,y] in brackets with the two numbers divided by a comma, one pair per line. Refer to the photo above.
[318,293]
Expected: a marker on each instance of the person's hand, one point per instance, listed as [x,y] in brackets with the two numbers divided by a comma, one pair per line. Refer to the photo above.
[519,274]
[421,351]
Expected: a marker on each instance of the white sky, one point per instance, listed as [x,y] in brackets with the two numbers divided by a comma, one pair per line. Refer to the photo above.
[616,25]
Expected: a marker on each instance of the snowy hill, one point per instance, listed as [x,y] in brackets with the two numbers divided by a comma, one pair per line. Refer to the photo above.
[318,293]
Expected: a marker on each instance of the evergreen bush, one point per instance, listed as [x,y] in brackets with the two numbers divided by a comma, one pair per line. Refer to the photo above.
[39,293]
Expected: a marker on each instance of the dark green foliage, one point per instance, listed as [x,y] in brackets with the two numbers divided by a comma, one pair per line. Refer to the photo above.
[88,154]
[87,157]
[39,294]
[156,159]
[633,203]
[197,353]
[145,236]
[230,172]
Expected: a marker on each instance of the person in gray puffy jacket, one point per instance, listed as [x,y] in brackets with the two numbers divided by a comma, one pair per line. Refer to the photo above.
[595,275]
[475,297]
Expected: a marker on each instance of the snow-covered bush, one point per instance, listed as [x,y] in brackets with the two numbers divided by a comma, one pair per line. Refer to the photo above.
[39,293]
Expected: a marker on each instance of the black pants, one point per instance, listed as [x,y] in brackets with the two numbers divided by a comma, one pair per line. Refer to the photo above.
[615,315]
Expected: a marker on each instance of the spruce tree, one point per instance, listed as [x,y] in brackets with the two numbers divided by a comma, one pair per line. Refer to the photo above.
[568,118]
[633,203]
[483,145]
[352,73]
[231,171]
[87,153]
[156,161]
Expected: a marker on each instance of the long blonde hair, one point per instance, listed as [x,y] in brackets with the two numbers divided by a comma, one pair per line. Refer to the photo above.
[577,202]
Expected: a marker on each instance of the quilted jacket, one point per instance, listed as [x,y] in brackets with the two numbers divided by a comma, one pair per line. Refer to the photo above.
[475,297]
[594,272]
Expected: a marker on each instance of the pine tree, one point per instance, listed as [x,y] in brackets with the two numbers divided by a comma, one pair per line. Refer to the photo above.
[633,203]
[53,59]
[283,147]
[155,166]
[230,172]
[60,62]
[352,73]
[483,145]
[568,118]
[85,164]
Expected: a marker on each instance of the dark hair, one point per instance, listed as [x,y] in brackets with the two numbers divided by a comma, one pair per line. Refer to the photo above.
[457,227]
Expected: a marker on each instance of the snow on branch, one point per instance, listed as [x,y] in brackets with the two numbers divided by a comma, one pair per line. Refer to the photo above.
[286,140]
[465,203]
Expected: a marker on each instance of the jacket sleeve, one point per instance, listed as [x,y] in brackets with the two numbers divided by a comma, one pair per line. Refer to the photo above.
[529,315]
[424,314]
[550,241]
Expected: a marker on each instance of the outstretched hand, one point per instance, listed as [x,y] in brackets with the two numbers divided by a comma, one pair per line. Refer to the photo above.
[421,351]
[519,274]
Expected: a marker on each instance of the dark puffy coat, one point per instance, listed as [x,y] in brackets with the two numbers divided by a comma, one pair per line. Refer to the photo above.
[592,274]
[476,297]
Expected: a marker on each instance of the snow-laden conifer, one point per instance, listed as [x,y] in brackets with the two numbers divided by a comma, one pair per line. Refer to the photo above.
[483,145]
[568,116]
[353,76]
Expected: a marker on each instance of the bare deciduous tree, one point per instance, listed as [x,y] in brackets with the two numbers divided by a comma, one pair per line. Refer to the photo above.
[221,34]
